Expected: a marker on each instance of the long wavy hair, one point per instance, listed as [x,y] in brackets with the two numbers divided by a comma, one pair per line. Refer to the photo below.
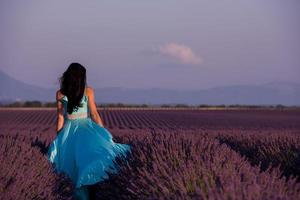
[72,85]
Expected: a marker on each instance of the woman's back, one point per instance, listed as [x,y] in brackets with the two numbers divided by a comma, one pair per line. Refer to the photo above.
[83,148]
[81,112]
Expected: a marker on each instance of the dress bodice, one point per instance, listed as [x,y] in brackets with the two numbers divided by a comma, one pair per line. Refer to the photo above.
[81,112]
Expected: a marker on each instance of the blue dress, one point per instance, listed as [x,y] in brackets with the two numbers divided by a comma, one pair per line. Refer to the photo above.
[83,149]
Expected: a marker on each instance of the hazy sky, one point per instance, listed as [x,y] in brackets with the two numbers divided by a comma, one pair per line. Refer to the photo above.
[191,44]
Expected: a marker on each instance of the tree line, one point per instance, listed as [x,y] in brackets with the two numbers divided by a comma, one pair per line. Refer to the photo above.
[179,105]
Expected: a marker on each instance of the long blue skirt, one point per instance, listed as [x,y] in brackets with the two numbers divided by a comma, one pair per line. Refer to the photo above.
[85,151]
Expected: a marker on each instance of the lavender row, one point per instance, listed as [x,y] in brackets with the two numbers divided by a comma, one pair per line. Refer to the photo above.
[267,149]
[181,163]
[26,174]
[139,119]
[188,164]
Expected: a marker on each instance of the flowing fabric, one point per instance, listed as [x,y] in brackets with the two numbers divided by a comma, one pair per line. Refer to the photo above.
[84,150]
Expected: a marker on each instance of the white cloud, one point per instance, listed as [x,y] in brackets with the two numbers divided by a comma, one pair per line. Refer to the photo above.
[181,53]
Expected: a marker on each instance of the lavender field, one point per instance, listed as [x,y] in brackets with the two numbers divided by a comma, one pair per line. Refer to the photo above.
[177,154]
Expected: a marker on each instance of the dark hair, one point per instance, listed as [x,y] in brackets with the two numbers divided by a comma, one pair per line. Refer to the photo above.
[72,85]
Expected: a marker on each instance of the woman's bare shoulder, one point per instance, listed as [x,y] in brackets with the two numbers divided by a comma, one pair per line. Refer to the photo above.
[89,90]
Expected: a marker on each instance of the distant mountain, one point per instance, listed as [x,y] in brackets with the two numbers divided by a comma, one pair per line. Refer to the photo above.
[14,90]
[284,93]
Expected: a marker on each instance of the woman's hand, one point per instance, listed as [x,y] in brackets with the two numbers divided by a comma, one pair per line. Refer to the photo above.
[58,131]
[101,124]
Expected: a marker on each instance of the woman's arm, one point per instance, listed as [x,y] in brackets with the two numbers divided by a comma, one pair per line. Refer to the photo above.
[92,106]
[60,115]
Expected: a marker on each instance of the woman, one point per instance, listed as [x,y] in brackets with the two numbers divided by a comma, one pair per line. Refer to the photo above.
[83,148]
